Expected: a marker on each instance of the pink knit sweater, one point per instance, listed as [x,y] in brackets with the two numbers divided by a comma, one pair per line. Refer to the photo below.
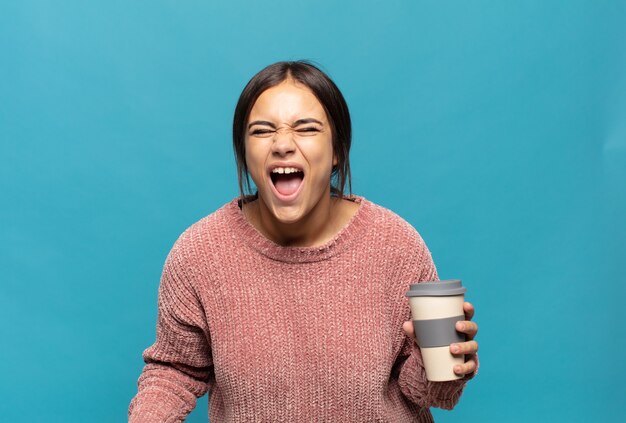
[290,334]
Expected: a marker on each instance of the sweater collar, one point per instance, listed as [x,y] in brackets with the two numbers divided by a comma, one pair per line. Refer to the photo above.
[257,241]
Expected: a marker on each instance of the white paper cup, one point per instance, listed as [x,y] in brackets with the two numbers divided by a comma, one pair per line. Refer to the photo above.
[436,307]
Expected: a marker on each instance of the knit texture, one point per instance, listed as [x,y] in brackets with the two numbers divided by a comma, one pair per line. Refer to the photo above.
[290,334]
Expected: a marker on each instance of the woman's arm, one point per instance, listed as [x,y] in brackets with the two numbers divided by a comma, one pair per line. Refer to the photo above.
[412,379]
[409,367]
[178,365]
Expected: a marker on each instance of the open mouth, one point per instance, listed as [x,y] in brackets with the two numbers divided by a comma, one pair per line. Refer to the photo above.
[286,180]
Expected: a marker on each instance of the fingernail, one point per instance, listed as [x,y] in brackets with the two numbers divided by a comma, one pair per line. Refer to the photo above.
[455,348]
[461,326]
[457,369]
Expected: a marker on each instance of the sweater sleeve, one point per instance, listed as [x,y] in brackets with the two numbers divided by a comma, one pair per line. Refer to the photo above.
[179,364]
[412,375]
[419,390]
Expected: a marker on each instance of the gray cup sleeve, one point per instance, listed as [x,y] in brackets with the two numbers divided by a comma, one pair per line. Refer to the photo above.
[438,332]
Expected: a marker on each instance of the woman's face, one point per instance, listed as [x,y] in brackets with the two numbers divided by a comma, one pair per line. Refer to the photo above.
[289,151]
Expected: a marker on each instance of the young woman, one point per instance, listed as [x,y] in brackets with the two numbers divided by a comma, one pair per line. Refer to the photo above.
[289,305]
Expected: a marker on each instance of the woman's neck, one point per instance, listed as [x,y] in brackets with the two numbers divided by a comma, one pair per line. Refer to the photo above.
[318,227]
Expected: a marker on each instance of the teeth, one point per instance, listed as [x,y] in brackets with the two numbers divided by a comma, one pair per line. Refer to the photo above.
[285,170]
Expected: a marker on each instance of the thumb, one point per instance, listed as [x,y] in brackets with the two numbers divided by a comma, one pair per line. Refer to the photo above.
[408,329]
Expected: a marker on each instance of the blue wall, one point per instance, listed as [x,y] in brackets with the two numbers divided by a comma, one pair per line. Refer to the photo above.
[498,129]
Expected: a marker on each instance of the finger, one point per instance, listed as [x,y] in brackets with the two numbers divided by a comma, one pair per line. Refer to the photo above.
[469,347]
[468,308]
[467,327]
[466,368]
[408,329]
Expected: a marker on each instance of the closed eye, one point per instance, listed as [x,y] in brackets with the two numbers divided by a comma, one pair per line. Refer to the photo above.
[259,132]
[308,130]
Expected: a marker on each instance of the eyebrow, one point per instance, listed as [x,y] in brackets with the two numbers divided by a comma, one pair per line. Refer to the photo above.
[261,122]
[296,123]
[307,120]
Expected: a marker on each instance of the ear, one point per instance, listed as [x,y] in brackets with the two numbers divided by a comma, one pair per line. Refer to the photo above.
[334,160]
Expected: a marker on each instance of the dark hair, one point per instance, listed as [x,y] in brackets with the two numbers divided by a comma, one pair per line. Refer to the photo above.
[327,94]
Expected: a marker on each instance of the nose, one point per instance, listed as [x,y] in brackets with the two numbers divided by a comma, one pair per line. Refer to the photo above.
[283,142]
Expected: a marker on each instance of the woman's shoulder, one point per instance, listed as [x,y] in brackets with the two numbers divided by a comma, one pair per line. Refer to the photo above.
[209,230]
[389,222]
[399,242]
[390,229]
[402,243]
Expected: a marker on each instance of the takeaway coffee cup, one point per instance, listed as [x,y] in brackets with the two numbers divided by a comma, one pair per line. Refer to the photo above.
[436,307]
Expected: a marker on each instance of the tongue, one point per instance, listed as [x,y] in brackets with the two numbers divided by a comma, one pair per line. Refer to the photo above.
[287,184]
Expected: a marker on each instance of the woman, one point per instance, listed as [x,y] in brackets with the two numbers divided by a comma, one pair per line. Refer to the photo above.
[289,305]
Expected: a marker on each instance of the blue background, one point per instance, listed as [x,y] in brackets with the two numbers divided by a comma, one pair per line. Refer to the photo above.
[498,129]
